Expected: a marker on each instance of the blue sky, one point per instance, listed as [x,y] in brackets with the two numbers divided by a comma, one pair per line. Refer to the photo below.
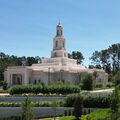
[27,27]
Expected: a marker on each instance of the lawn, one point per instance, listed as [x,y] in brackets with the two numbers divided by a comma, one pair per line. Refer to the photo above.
[61,118]
[65,118]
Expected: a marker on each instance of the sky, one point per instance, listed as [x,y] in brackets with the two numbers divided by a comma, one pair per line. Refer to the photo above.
[27,27]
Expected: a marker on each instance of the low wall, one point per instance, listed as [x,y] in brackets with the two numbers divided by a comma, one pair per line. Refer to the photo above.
[38,111]
[34,99]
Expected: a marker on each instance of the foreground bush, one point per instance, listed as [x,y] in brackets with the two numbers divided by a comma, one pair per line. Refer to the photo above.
[90,101]
[36,89]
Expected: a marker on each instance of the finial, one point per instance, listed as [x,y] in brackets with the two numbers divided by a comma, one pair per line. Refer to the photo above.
[59,22]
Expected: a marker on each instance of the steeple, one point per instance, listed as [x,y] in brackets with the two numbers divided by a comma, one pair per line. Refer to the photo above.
[59,30]
[59,43]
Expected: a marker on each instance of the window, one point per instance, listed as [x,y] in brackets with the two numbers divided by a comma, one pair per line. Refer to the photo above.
[57,32]
[55,54]
[39,81]
[64,55]
[63,44]
[35,82]
[56,43]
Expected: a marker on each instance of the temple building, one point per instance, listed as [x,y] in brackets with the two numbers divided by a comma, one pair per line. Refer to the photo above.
[58,67]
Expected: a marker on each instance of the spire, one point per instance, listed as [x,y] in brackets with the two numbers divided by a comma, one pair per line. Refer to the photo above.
[59,22]
[59,29]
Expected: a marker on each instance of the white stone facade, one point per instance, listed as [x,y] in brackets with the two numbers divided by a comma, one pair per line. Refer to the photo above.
[58,67]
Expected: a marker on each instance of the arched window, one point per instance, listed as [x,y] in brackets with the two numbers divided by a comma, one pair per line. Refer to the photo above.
[56,43]
[63,44]
[57,32]
[55,54]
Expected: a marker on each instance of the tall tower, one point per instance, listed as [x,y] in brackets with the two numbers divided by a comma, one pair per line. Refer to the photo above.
[59,43]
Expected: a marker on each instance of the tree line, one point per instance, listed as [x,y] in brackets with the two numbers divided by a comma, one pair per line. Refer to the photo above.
[12,60]
[108,59]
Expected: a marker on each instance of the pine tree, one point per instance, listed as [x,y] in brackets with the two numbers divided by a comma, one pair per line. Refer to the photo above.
[27,109]
[78,106]
[115,100]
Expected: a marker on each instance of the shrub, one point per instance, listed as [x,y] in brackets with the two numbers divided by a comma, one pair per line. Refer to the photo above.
[88,82]
[5,85]
[109,85]
[1,83]
[36,89]
[36,104]
[78,107]
[99,85]
[90,101]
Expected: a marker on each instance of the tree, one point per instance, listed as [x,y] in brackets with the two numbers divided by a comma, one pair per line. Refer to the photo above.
[95,74]
[115,103]
[7,60]
[117,78]
[88,82]
[54,107]
[27,109]
[108,59]
[78,107]
[77,56]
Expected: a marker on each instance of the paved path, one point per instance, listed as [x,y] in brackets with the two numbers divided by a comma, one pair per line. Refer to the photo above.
[108,91]
[4,94]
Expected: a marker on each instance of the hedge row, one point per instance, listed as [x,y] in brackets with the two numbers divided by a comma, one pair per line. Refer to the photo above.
[90,101]
[36,89]
[60,103]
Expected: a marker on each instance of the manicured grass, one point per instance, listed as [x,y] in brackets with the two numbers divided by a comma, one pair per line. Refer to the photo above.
[66,118]
[99,114]
[63,118]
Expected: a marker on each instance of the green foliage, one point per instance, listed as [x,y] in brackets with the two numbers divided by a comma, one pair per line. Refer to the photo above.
[1,83]
[27,109]
[95,74]
[115,100]
[108,59]
[99,85]
[110,85]
[77,55]
[88,82]
[100,114]
[36,89]
[90,101]
[7,104]
[117,78]
[5,85]
[4,91]
[78,106]
[60,103]
[7,60]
